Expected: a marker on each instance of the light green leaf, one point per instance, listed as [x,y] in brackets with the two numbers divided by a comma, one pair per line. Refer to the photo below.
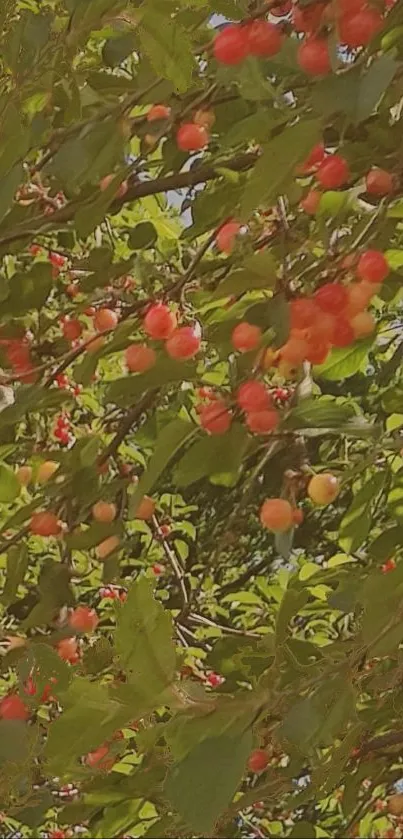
[356,523]
[344,362]
[17,565]
[167,46]
[166,371]
[373,84]
[10,487]
[212,454]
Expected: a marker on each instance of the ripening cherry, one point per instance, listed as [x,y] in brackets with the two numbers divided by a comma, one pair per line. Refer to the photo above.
[253,396]
[246,337]
[108,546]
[35,250]
[349,7]
[297,516]
[317,350]
[359,295]
[372,267]
[104,511]
[57,259]
[184,343]
[258,760]
[46,471]
[105,319]
[214,680]
[313,57]
[72,290]
[231,44]
[67,650]
[388,566]
[358,30]
[332,298]
[262,422]
[146,509]
[264,38]
[24,475]
[72,329]
[225,238]
[57,834]
[45,524]
[191,137]
[363,324]
[139,358]
[294,351]
[276,515]
[343,333]
[83,619]
[323,489]
[379,182]
[120,190]
[215,417]
[159,322]
[13,708]
[314,159]
[157,569]
[311,202]
[157,112]
[333,172]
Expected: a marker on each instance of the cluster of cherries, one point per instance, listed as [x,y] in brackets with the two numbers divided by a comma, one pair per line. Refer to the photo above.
[278,515]
[356,22]
[62,430]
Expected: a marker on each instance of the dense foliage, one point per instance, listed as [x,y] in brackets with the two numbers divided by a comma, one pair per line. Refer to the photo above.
[201,463]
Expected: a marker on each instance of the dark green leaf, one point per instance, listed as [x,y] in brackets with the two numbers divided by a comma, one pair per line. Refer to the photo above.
[143,236]
[212,454]
[356,523]
[170,440]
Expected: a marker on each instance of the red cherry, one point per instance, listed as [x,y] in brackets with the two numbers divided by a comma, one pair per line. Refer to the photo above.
[158,112]
[139,358]
[45,524]
[63,436]
[297,516]
[183,343]
[253,396]
[358,30]
[157,569]
[388,566]
[215,417]
[96,757]
[258,760]
[307,19]
[13,708]
[311,202]
[159,322]
[303,313]
[35,250]
[332,298]
[372,267]
[294,351]
[379,182]
[214,680]
[191,137]
[83,619]
[57,260]
[231,44]
[343,334]
[349,7]
[72,289]
[281,10]
[264,38]
[315,157]
[56,834]
[313,57]
[226,235]
[105,319]
[333,172]
[246,337]
[262,422]
[72,329]
[67,649]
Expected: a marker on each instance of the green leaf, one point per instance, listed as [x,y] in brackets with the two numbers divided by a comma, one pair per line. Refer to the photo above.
[167,46]
[9,184]
[202,786]
[291,603]
[83,540]
[10,486]
[357,521]
[143,236]
[303,830]
[386,543]
[324,412]
[373,84]
[216,453]
[55,592]
[169,441]
[395,499]
[166,371]
[276,167]
[17,565]
[143,640]
[89,718]
[344,362]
